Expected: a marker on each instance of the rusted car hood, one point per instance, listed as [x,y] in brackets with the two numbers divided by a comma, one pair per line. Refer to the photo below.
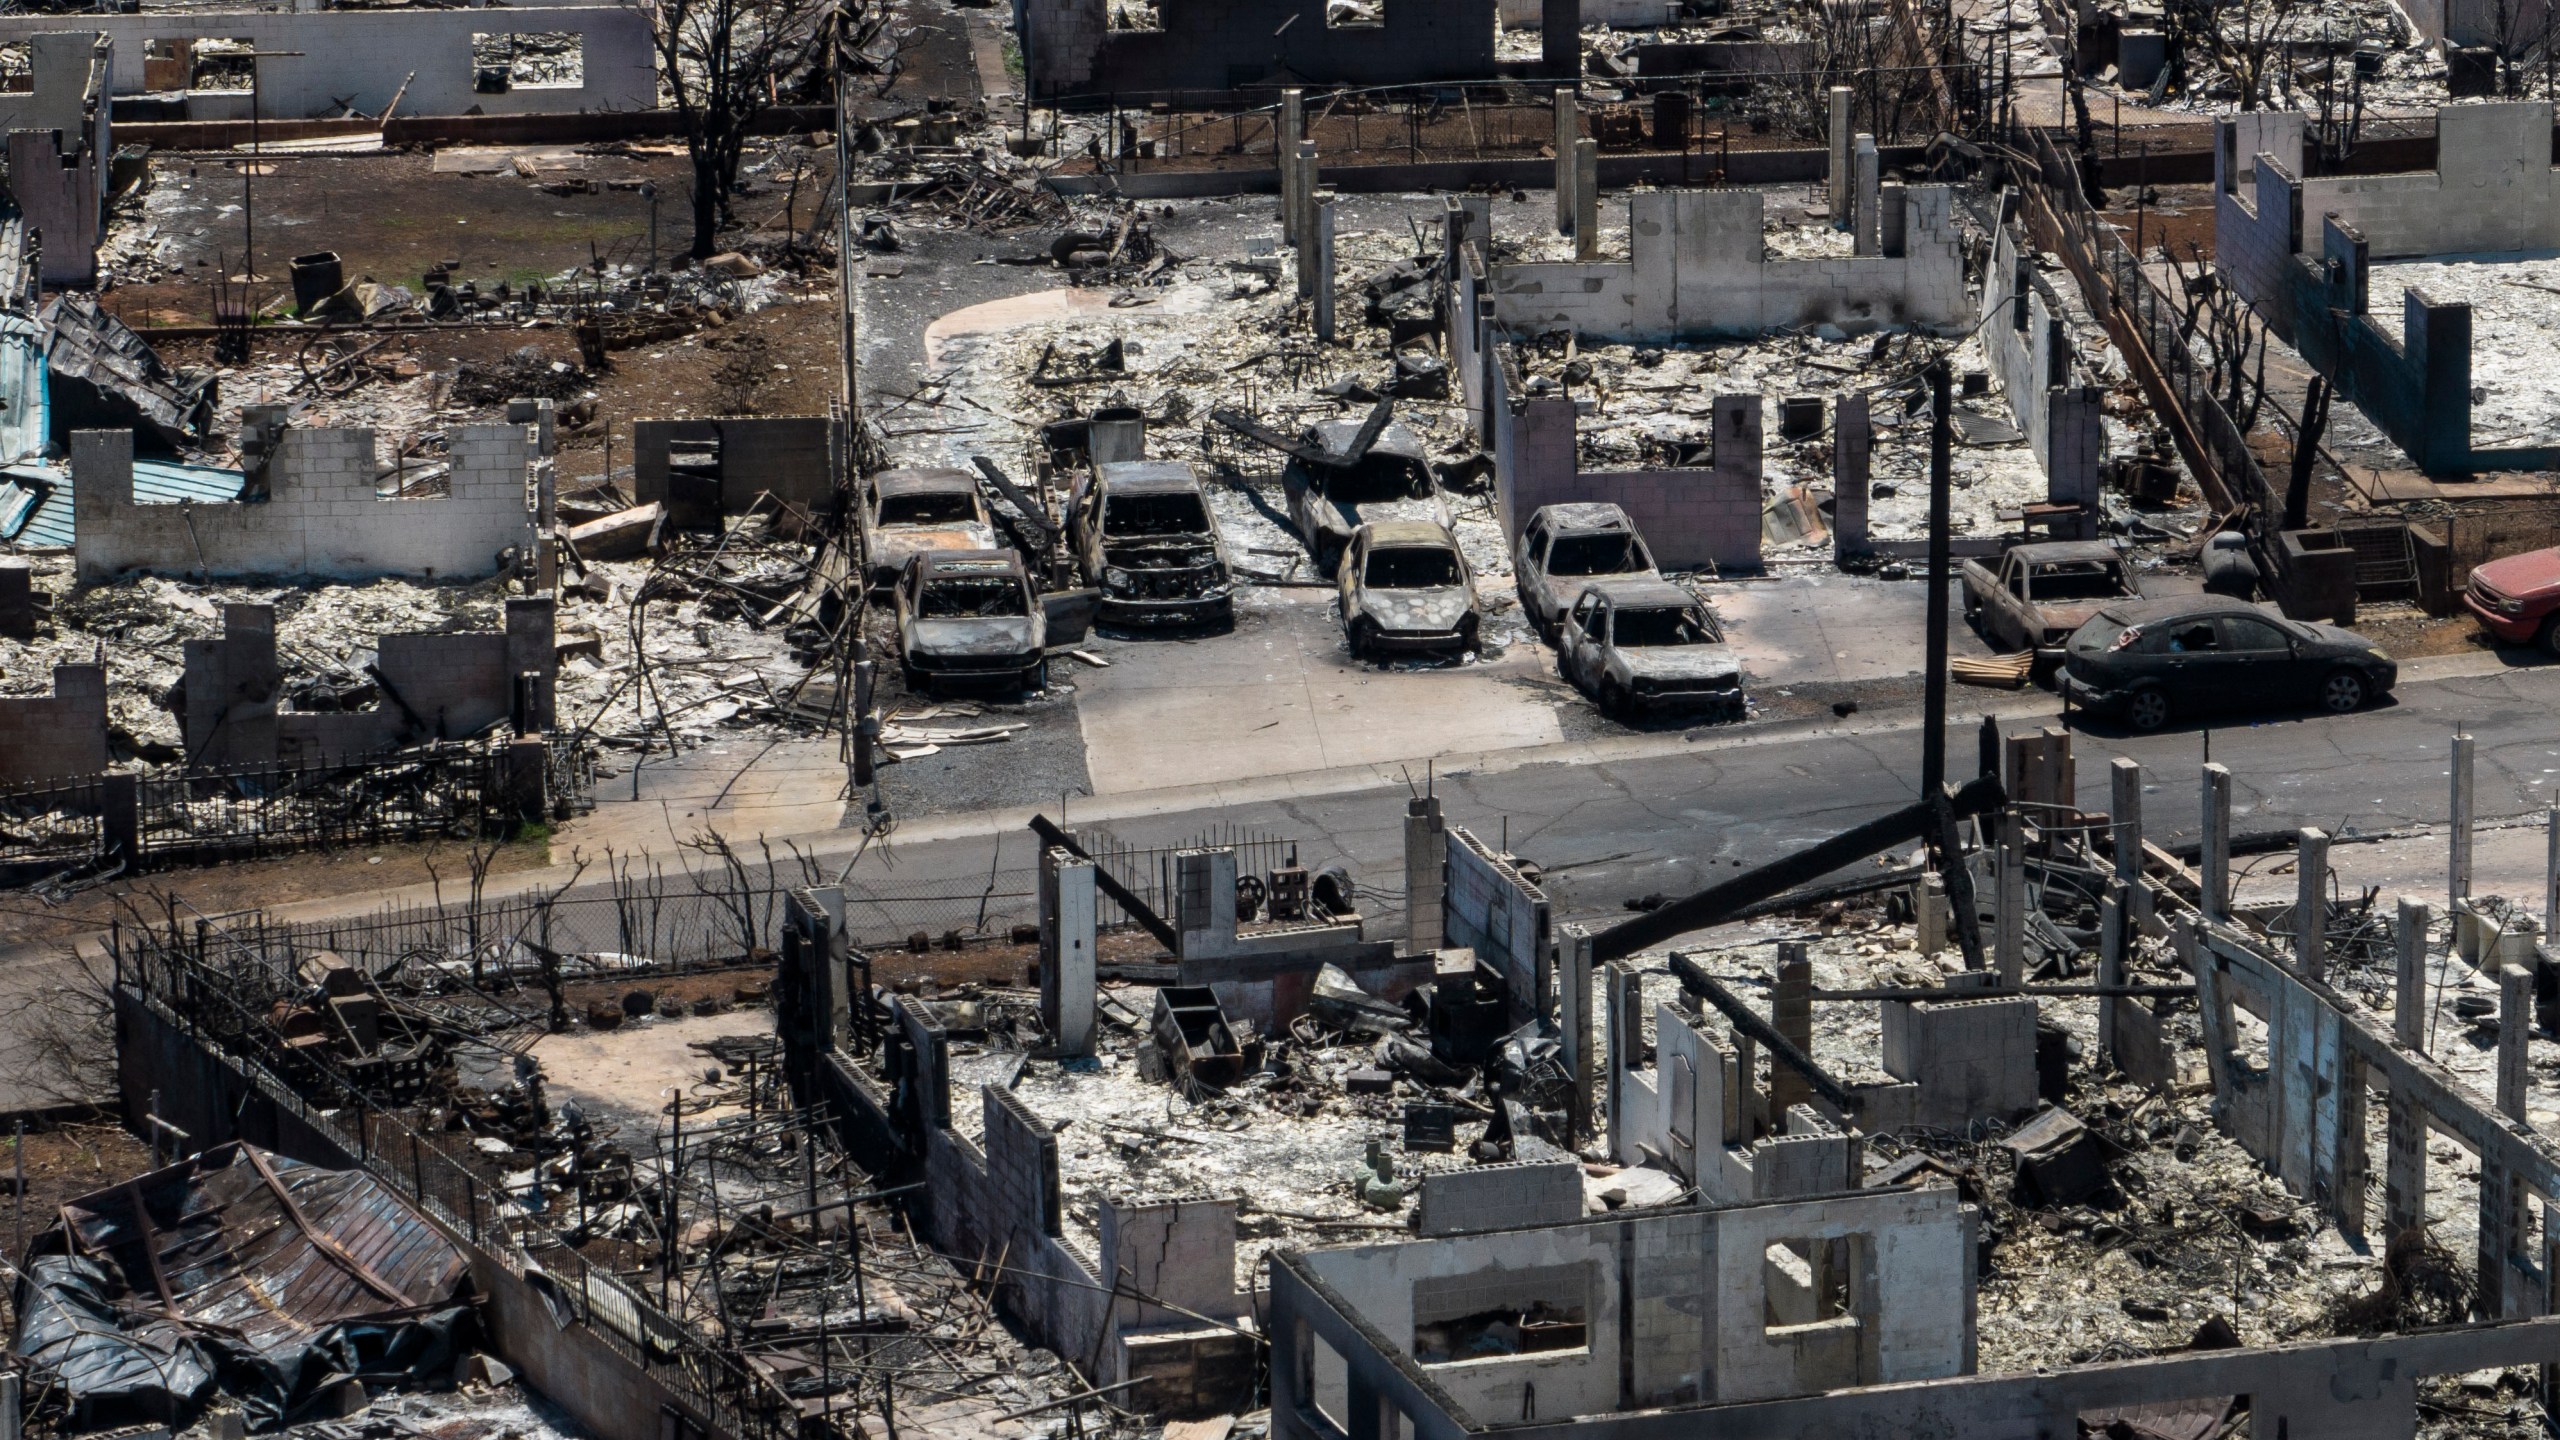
[893,544]
[1417,609]
[1680,662]
[1007,635]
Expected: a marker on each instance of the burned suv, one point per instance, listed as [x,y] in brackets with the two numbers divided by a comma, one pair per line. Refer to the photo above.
[1387,479]
[968,617]
[1142,533]
[910,512]
[1406,587]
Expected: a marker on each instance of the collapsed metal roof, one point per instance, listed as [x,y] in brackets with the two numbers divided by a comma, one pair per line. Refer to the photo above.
[274,1276]
[102,375]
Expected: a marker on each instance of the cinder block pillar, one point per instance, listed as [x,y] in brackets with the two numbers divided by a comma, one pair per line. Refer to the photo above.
[1840,166]
[17,599]
[1284,152]
[1066,950]
[2009,901]
[2409,998]
[1302,228]
[1933,915]
[2311,903]
[2347,1143]
[2214,865]
[2497,1235]
[1426,875]
[1868,219]
[1323,267]
[2458,856]
[1560,38]
[1791,1012]
[1568,103]
[2404,1165]
[2124,779]
[1623,1016]
[2112,941]
[1852,474]
[1573,1015]
[2551,875]
[1586,199]
[2515,1029]
[10,1424]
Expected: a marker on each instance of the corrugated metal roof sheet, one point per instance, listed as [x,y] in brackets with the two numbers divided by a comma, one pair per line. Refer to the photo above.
[265,1247]
[155,482]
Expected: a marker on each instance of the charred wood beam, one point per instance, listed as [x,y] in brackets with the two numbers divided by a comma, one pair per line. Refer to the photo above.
[1139,910]
[1261,434]
[1032,510]
[1726,899]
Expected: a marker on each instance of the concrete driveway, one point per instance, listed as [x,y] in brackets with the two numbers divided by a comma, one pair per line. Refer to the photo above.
[1281,695]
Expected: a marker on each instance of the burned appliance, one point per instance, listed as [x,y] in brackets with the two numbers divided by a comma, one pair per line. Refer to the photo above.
[1193,1035]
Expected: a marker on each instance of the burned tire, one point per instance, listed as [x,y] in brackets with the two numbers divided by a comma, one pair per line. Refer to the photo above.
[1036,677]
[2147,709]
[2548,637]
[1363,638]
[2342,692]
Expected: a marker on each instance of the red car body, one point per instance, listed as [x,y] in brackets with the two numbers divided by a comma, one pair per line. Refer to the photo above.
[2516,598]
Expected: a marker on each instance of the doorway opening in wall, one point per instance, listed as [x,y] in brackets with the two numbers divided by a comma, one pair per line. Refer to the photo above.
[18,68]
[1132,15]
[220,64]
[528,60]
[1537,1328]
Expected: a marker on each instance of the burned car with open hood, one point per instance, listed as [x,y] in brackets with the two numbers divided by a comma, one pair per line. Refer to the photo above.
[1384,479]
[968,617]
[1405,587]
[1142,534]
[1638,645]
[910,512]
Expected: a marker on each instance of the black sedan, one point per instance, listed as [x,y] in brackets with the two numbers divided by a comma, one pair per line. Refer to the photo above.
[2147,661]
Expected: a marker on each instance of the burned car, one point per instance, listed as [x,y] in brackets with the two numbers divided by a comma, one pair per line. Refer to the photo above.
[1385,480]
[1142,533]
[911,512]
[967,617]
[1404,586]
[2037,594]
[1646,644]
[1565,547]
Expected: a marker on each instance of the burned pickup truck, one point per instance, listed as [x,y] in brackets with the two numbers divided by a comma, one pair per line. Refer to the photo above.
[2035,595]
[1141,532]
[967,617]
[917,511]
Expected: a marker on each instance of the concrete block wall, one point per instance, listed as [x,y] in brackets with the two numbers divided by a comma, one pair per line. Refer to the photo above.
[362,57]
[438,687]
[1492,909]
[2415,386]
[1814,1157]
[1676,1305]
[321,516]
[2493,188]
[790,456]
[1853,438]
[1970,1058]
[58,736]
[1182,1252]
[1698,266]
[1690,517]
[58,145]
[2047,384]
[1500,1197]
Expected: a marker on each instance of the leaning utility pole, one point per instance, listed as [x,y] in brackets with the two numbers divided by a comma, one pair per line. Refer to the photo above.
[1949,849]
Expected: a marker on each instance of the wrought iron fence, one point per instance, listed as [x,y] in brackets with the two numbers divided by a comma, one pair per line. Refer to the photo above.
[459,788]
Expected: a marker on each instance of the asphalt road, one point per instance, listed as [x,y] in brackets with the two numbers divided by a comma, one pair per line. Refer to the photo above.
[1665,813]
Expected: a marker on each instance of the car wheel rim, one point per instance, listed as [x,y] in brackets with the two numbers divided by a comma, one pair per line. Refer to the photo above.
[2345,692]
[2149,710]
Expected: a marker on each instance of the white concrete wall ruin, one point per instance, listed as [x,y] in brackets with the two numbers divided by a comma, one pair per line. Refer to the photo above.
[2053,399]
[1494,910]
[1699,266]
[58,147]
[1678,1306]
[2492,188]
[362,57]
[322,515]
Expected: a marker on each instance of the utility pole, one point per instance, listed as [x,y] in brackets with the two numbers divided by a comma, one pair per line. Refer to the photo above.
[1933,752]
[249,174]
